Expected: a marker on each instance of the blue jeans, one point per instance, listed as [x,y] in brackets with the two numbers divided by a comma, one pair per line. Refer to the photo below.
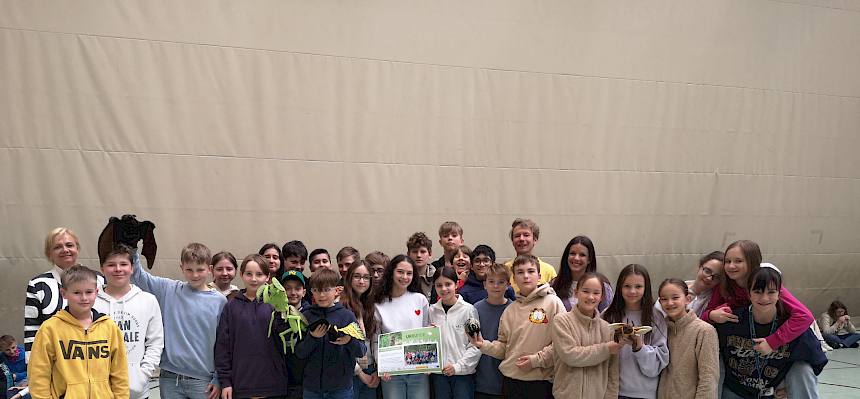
[725,393]
[844,340]
[175,386]
[360,390]
[345,393]
[414,386]
[12,392]
[453,387]
[800,383]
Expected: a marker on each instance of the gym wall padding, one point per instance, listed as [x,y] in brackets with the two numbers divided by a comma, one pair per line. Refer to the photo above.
[663,129]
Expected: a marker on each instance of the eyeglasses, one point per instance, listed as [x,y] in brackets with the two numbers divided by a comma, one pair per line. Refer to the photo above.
[358,277]
[482,261]
[710,273]
[325,290]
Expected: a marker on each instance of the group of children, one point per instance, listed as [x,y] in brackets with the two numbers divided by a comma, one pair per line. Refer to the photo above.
[734,331]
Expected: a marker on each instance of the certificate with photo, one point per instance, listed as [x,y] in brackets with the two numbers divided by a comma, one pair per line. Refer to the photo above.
[410,352]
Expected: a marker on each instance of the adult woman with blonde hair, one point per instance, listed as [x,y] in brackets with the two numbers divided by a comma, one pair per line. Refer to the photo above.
[43,291]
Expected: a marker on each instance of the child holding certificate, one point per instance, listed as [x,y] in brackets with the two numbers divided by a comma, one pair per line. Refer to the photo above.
[402,305]
[451,313]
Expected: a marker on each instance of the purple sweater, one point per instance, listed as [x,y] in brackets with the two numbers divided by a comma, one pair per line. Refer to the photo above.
[245,357]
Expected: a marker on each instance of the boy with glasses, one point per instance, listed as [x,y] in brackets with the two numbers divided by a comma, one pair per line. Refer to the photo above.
[473,289]
[330,360]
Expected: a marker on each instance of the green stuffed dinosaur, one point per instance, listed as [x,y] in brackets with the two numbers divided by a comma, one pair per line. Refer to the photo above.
[275,295]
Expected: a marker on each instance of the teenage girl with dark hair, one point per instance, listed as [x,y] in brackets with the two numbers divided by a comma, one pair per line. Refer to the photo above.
[643,357]
[577,259]
[402,305]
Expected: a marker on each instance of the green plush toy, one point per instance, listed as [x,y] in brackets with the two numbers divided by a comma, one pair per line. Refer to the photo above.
[274,294]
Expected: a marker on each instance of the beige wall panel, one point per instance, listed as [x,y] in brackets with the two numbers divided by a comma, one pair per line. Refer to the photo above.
[559,117]
[800,46]
[663,130]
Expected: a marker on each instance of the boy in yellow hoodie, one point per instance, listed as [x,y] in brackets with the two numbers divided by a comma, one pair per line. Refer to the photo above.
[78,353]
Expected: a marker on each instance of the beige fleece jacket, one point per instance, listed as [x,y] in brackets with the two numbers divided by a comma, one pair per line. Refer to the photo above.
[524,330]
[584,368]
[694,368]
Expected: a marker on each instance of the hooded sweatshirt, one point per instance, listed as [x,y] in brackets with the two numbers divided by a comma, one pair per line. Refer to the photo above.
[139,319]
[455,343]
[246,357]
[525,330]
[329,367]
[43,301]
[69,361]
[584,368]
[694,368]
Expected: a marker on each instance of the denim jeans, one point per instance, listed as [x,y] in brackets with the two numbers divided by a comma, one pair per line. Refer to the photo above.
[175,386]
[345,393]
[800,383]
[360,390]
[453,387]
[725,393]
[837,341]
[414,386]
[12,392]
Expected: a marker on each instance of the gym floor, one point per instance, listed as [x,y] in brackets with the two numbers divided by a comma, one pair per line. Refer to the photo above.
[841,377]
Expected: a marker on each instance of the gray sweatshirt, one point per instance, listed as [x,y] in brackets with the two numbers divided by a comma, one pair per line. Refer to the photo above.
[639,372]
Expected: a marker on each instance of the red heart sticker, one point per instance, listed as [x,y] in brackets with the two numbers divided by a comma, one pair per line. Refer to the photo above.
[418,312]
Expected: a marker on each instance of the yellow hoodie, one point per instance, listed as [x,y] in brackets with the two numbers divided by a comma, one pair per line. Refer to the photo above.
[72,363]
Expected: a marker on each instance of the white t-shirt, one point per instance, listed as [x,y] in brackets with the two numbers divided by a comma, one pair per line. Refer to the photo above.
[408,311]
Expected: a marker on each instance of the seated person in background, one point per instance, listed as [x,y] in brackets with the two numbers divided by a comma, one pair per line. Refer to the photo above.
[836,327]
[12,355]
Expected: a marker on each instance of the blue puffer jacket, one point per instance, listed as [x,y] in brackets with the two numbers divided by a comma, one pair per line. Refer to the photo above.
[17,365]
[473,290]
[329,367]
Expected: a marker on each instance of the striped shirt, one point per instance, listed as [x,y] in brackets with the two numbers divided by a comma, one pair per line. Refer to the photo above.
[43,301]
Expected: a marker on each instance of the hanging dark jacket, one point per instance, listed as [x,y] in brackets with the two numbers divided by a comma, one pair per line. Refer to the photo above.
[328,367]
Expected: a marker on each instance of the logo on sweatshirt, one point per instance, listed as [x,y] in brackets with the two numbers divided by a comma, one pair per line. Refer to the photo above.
[418,312]
[538,316]
[85,350]
[130,327]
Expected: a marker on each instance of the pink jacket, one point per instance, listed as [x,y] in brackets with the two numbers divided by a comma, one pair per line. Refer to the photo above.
[799,320]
